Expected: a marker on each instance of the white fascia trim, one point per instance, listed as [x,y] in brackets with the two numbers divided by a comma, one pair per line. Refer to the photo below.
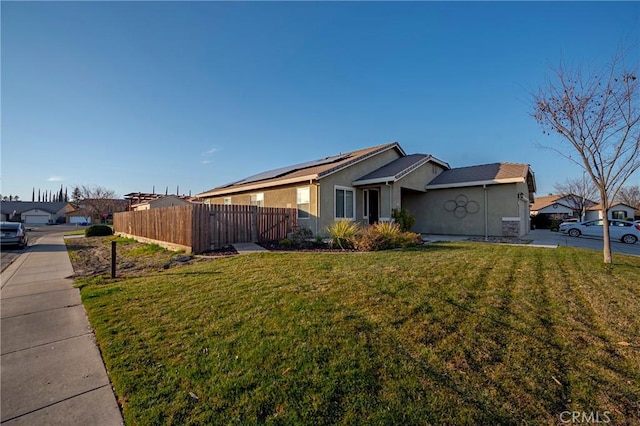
[374,181]
[476,183]
[239,189]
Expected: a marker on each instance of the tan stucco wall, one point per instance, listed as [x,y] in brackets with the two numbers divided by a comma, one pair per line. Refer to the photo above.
[501,201]
[284,196]
[345,178]
[167,202]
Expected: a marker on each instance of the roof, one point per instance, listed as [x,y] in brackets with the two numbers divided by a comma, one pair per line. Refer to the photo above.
[486,174]
[545,201]
[8,207]
[598,206]
[567,200]
[310,170]
[397,169]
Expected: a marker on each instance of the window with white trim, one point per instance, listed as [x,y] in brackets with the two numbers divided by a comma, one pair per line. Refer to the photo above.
[227,201]
[303,202]
[345,201]
[257,199]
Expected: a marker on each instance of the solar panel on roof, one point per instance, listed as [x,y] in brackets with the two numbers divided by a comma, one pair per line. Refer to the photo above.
[271,174]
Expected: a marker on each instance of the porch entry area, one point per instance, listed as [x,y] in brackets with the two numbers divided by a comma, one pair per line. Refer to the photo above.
[371,205]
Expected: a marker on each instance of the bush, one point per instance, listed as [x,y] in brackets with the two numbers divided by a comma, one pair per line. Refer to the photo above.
[342,233]
[404,219]
[385,236]
[301,237]
[98,231]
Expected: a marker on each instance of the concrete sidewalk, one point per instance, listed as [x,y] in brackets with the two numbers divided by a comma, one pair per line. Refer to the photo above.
[51,371]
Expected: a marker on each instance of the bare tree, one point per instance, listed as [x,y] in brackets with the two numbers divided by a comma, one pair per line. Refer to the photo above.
[598,118]
[579,193]
[630,195]
[96,201]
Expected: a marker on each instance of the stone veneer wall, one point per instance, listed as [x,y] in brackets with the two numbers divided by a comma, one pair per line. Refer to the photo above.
[510,227]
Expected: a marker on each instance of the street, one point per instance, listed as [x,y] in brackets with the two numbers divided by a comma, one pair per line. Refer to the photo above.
[549,237]
[9,254]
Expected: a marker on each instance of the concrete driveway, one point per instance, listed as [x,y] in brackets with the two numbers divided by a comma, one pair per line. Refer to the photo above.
[548,237]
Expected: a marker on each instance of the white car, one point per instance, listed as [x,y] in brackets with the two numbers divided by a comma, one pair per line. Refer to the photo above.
[625,231]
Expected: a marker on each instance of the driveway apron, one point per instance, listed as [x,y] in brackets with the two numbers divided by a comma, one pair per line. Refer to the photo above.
[51,371]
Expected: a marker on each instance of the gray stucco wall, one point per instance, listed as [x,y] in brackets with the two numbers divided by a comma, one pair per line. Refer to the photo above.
[461,211]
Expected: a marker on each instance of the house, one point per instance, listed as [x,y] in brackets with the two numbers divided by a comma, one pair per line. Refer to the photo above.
[484,200]
[617,210]
[96,210]
[35,213]
[163,201]
[367,185]
[561,207]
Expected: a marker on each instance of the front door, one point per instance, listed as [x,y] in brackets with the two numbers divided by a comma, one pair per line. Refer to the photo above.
[374,212]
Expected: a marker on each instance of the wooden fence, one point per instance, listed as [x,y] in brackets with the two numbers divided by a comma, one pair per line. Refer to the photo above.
[201,227]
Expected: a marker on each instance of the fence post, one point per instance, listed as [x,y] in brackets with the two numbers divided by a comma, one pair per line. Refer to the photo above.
[113,259]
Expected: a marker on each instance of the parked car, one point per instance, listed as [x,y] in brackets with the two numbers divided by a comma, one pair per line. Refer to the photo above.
[625,231]
[13,234]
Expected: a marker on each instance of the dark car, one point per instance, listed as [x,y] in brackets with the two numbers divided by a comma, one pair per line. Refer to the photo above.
[13,234]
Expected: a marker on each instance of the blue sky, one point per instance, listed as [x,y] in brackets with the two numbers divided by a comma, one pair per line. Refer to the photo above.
[136,95]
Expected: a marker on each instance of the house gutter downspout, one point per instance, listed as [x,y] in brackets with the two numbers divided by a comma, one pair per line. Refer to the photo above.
[486,213]
[317,205]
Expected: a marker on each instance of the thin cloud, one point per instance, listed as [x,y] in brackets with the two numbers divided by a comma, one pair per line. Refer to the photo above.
[211,151]
[55,179]
[206,161]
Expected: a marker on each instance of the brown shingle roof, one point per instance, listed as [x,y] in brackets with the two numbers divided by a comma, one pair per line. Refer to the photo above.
[301,172]
[486,172]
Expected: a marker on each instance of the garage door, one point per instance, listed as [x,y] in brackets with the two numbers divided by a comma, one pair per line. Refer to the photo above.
[36,220]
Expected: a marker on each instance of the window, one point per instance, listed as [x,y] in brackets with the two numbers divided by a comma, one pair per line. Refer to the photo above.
[345,203]
[618,214]
[227,201]
[256,199]
[303,203]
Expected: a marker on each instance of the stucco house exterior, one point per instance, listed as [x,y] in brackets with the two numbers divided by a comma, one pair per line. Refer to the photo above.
[368,184]
[618,211]
[163,201]
[484,200]
[35,213]
[560,207]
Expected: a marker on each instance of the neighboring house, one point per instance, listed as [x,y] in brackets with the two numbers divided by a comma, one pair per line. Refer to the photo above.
[163,201]
[619,211]
[368,184]
[35,213]
[96,210]
[560,207]
[485,200]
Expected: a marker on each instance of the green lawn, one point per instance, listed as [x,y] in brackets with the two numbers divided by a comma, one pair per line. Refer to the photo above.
[458,333]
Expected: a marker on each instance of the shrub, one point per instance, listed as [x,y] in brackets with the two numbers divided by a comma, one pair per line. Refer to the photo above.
[286,242]
[301,237]
[385,236]
[98,231]
[342,233]
[404,219]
